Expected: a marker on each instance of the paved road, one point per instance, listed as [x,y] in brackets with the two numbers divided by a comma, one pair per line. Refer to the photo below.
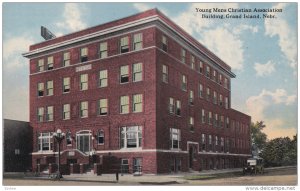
[271,177]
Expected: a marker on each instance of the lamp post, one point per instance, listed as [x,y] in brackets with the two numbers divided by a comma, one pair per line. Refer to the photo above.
[59,136]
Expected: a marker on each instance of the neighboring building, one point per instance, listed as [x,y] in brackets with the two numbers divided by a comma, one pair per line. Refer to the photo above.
[140,89]
[17,146]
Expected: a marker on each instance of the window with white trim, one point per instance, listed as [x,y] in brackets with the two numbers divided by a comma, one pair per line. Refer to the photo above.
[209,142]
[137,103]
[84,109]
[178,107]
[191,97]
[192,62]
[49,113]
[100,137]
[50,88]
[138,41]
[66,111]
[137,72]
[215,98]
[45,141]
[221,100]
[191,124]
[66,84]
[40,114]
[164,43]
[50,63]
[226,83]
[124,45]
[175,138]
[84,54]
[124,74]
[84,81]
[216,119]
[40,89]
[208,94]
[40,65]
[203,142]
[222,144]
[165,73]
[183,55]
[183,82]
[201,67]
[103,78]
[203,116]
[210,117]
[200,90]
[103,50]
[226,103]
[222,121]
[220,78]
[171,105]
[66,59]
[103,107]
[131,137]
[216,140]
[208,71]
[214,75]
[124,104]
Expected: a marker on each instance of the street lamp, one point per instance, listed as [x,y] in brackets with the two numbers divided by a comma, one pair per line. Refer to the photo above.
[59,136]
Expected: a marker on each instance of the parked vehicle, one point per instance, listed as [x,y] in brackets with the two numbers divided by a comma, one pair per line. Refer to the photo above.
[254,166]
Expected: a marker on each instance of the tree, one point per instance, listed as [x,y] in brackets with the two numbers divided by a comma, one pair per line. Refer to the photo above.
[259,138]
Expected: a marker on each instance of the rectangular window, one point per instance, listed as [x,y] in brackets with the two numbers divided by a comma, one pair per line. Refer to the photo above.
[138,41]
[66,85]
[165,73]
[203,142]
[175,138]
[131,137]
[226,83]
[221,100]
[40,114]
[222,121]
[183,55]
[215,97]
[209,118]
[103,108]
[124,104]
[50,63]
[210,142]
[193,62]
[183,82]
[66,111]
[171,105]
[103,78]
[216,120]
[124,74]
[201,67]
[49,115]
[200,90]
[208,94]
[124,166]
[137,165]
[208,71]
[164,43]
[84,109]
[222,144]
[191,97]
[41,65]
[68,138]
[49,88]
[103,50]
[227,122]
[66,61]
[214,75]
[40,89]
[137,103]
[178,107]
[191,123]
[220,79]
[45,142]
[124,46]
[100,137]
[84,54]
[226,103]
[203,116]
[137,72]
[216,141]
[83,81]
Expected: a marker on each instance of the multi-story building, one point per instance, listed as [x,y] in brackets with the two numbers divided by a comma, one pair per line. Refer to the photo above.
[141,89]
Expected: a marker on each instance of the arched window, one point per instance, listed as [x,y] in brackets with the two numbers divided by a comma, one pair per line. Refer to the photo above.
[100,137]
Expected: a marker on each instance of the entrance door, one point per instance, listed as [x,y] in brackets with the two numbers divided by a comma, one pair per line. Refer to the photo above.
[83,141]
[191,156]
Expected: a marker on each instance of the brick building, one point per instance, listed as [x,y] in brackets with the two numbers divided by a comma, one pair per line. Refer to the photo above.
[140,89]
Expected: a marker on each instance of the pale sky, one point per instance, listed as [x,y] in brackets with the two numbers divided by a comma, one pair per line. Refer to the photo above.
[261,52]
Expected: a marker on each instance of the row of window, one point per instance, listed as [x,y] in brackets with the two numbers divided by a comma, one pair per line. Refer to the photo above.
[137,75]
[218,144]
[137,44]
[137,106]
[210,72]
[210,95]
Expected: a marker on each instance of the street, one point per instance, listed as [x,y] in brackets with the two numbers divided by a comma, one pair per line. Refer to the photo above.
[285,176]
